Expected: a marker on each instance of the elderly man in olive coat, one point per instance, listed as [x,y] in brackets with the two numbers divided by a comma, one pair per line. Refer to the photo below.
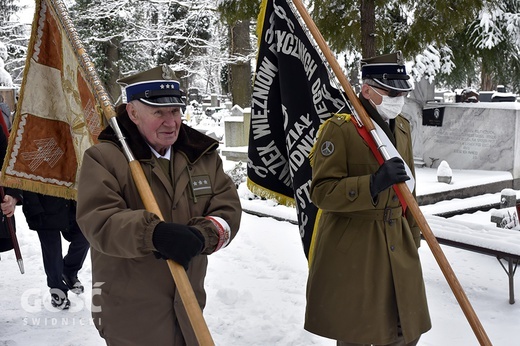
[135,300]
[365,283]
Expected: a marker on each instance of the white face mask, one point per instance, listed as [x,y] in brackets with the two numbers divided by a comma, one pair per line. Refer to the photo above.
[390,107]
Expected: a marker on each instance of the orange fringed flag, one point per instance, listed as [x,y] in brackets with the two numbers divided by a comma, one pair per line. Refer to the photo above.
[58,115]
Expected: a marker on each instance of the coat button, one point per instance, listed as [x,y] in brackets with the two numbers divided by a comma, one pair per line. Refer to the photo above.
[394,198]
[390,222]
[392,248]
[352,193]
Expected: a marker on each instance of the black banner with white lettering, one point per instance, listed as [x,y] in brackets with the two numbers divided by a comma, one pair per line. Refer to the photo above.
[292,96]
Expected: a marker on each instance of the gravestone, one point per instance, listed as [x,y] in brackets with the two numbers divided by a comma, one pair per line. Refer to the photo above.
[236,134]
[507,198]
[507,215]
[215,102]
[478,136]
[234,128]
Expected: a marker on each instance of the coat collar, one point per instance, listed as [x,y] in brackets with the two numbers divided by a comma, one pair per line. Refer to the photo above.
[190,142]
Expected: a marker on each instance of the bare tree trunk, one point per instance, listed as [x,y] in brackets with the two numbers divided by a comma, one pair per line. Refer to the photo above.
[368,28]
[112,51]
[486,78]
[240,71]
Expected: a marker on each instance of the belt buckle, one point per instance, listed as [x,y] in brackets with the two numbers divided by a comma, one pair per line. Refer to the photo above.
[387,215]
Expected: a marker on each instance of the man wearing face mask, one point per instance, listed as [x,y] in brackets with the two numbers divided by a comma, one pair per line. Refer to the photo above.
[365,284]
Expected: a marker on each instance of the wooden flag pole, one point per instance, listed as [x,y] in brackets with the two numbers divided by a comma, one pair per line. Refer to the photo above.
[410,200]
[180,277]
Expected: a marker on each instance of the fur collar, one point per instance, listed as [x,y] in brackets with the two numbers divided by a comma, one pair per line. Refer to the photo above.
[192,143]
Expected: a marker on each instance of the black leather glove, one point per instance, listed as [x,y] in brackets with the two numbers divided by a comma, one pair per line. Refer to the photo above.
[391,172]
[177,242]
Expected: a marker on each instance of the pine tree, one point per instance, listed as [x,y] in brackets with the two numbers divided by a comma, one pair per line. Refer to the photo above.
[463,43]
[187,36]
[237,14]
[406,25]
[495,43]
[119,36]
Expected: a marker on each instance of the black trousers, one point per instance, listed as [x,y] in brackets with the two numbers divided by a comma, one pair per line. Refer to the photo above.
[53,261]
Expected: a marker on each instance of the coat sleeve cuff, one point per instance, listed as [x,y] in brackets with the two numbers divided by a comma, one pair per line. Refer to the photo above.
[224,231]
[148,235]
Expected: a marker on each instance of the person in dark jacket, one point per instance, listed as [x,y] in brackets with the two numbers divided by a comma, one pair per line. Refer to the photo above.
[12,197]
[6,114]
[51,217]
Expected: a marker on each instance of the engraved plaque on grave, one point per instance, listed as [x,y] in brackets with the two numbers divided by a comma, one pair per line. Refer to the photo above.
[433,116]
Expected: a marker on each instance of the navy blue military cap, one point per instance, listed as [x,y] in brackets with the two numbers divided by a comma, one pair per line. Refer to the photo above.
[388,71]
[154,87]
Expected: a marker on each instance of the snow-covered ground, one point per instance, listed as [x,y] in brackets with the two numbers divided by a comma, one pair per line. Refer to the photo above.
[256,286]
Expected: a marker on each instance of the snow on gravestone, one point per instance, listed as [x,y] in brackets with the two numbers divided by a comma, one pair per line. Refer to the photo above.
[507,215]
[444,173]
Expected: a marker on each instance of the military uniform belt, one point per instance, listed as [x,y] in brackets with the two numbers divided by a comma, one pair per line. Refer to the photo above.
[378,214]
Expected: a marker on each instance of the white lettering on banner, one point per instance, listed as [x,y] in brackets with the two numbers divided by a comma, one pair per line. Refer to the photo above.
[272,158]
[285,176]
[319,95]
[264,77]
[317,99]
[289,44]
[303,195]
[260,171]
[300,139]
[260,128]
[304,220]
[299,155]
[263,81]
[308,63]
[294,134]
[285,43]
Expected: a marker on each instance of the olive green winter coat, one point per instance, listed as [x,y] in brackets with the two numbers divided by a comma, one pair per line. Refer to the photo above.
[366,272]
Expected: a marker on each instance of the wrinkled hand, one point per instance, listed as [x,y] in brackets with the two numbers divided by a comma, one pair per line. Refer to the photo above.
[177,242]
[8,205]
[391,172]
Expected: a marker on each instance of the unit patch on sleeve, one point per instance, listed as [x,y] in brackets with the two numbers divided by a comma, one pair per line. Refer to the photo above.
[327,148]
